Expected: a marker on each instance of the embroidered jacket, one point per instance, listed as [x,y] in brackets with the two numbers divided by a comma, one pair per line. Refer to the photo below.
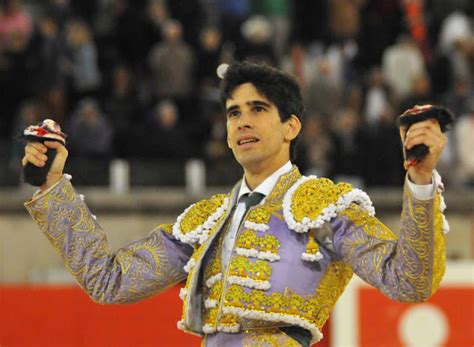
[292,258]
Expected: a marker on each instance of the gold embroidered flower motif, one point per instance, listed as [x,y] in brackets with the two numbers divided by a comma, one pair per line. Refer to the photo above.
[243,267]
[267,243]
[259,215]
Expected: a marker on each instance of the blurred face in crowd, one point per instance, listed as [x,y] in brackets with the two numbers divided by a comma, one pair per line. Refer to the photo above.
[77,34]
[157,12]
[172,32]
[167,114]
[89,112]
[255,132]
[48,27]
[211,39]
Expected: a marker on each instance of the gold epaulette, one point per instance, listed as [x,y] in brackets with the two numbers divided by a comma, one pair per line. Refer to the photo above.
[312,201]
[194,224]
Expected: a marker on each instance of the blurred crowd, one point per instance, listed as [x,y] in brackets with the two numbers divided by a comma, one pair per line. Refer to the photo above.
[137,79]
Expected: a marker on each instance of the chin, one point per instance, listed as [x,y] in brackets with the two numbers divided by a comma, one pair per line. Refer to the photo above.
[249,159]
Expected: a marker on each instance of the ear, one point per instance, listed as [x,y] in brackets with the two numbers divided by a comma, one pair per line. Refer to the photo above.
[293,127]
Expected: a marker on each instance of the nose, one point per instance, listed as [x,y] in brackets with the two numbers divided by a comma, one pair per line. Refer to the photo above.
[244,121]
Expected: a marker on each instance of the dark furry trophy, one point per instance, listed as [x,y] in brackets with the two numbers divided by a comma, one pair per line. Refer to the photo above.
[48,130]
[418,114]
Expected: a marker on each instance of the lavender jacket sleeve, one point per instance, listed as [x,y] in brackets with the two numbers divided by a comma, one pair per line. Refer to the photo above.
[135,272]
[406,266]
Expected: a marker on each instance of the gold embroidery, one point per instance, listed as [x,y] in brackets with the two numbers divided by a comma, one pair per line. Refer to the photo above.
[312,246]
[259,215]
[267,243]
[333,283]
[200,212]
[267,338]
[133,273]
[315,309]
[311,197]
[371,224]
[243,267]
[439,254]
[167,228]
[284,183]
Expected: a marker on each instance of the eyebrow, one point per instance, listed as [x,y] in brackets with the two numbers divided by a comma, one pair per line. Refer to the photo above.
[250,103]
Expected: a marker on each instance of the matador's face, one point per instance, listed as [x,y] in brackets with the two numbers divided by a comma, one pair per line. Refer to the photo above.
[255,133]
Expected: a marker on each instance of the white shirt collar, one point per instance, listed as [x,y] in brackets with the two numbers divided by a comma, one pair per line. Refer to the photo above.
[268,184]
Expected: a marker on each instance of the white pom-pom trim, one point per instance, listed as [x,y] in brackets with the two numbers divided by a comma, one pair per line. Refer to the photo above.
[312,257]
[330,211]
[249,283]
[201,233]
[209,329]
[182,293]
[276,317]
[210,303]
[180,325]
[190,265]
[213,279]
[229,328]
[68,177]
[254,253]
[256,226]
[82,197]
[442,204]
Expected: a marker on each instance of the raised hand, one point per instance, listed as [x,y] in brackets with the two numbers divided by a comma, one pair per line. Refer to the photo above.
[35,153]
[429,133]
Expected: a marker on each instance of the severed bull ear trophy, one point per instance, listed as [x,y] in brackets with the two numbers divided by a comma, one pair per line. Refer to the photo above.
[48,130]
[418,114]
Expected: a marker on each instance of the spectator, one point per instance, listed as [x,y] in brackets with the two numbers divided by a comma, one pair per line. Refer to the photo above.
[16,66]
[402,62]
[344,19]
[171,64]
[164,138]
[317,143]
[28,114]
[256,45]
[14,19]
[347,148]
[232,14]
[49,76]
[420,94]
[208,58]
[382,151]
[82,60]
[457,98]
[377,97]
[122,106]
[323,96]
[90,133]
[278,13]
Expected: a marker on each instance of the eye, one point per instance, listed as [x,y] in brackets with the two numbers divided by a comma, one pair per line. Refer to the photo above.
[259,109]
[232,114]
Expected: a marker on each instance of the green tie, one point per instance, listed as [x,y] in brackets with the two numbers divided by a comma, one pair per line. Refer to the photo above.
[252,199]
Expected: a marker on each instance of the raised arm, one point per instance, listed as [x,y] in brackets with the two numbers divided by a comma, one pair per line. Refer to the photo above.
[135,272]
[406,266]
[409,265]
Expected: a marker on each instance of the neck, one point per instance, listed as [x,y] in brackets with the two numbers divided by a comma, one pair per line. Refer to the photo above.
[255,175]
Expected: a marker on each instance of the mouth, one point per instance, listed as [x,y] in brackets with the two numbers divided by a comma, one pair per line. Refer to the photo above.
[247,141]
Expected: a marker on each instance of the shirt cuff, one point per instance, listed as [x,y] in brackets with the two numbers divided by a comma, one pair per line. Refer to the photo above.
[422,191]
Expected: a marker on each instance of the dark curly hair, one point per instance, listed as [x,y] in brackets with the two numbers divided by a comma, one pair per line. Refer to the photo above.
[280,88]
